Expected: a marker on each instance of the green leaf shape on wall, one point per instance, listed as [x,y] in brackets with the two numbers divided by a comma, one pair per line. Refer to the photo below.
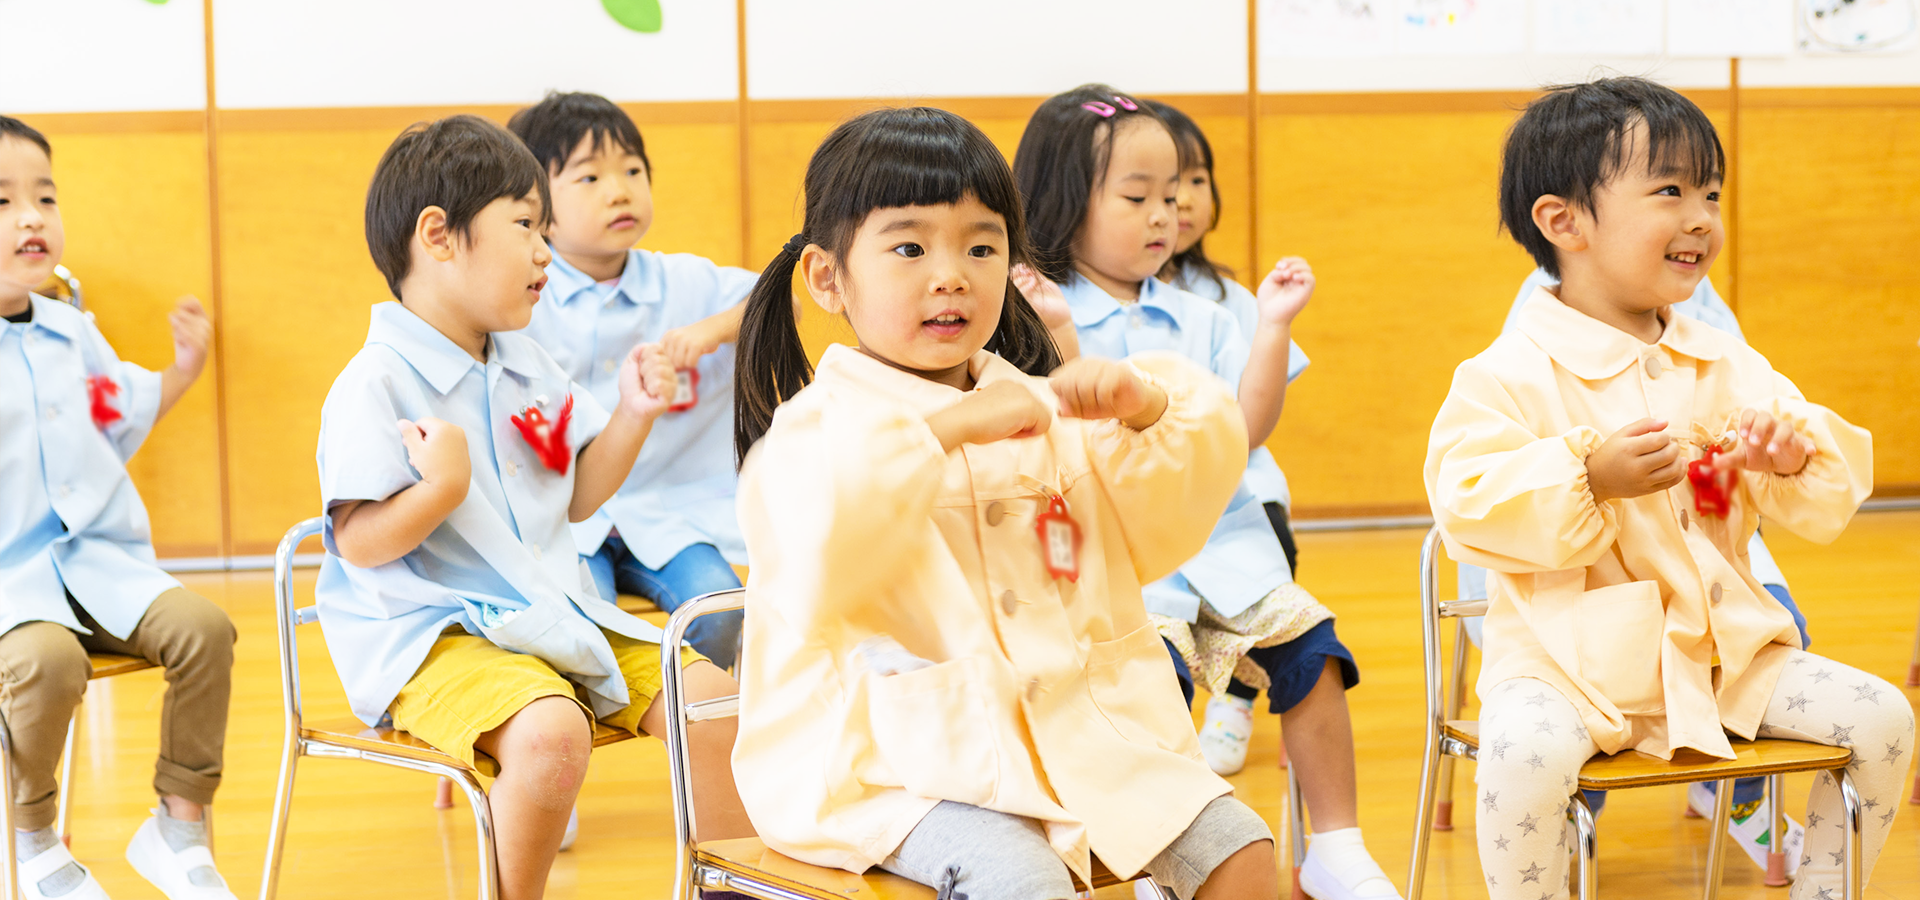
[640,15]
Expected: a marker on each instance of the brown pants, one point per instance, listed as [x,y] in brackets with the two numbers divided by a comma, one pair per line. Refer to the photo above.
[43,674]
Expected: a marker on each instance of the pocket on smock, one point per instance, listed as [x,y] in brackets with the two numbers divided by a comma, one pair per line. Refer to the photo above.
[932,728]
[1622,628]
[1132,682]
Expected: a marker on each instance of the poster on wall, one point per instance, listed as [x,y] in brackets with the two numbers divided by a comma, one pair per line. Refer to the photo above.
[1727,28]
[508,51]
[1326,29]
[1599,27]
[163,41]
[1459,27]
[1858,26]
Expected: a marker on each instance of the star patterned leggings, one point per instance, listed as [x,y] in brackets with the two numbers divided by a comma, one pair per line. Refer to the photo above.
[1533,745]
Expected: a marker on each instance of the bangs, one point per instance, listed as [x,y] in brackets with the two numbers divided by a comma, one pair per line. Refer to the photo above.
[1685,147]
[920,157]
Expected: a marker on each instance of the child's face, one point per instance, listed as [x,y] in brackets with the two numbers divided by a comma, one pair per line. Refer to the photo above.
[498,271]
[31,236]
[1131,217]
[1650,237]
[922,286]
[602,201]
[1195,204]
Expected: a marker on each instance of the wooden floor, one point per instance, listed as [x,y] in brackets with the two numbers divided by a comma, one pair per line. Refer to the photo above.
[360,829]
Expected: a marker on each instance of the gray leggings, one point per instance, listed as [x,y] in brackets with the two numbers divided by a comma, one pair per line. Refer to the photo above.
[969,853]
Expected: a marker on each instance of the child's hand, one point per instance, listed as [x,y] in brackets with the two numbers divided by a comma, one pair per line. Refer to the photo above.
[1091,388]
[192,335]
[1043,295]
[685,345]
[437,449]
[1637,460]
[1285,291]
[997,412]
[1767,444]
[647,382]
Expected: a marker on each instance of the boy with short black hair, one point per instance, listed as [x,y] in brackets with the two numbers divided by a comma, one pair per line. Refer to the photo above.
[77,570]
[1607,461]
[669,534]
[453,454]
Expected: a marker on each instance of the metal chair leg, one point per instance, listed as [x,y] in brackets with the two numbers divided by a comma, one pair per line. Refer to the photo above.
[1913,665]
[1423,825]
[64,805]
[1297,824]
[6,814]
[1456,701]
[1855,882]
[1717,843]
[1589,857]
[1776,831]
[277,826]
[487,873]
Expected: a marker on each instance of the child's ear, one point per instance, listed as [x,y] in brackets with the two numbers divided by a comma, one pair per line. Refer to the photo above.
[1556,219]
[430,231]
[823,279]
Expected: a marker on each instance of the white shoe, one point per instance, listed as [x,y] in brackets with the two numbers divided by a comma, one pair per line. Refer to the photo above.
[1751,833]
[156,862]
[1358,882]
[51,860]
[1224,737]
[573,830]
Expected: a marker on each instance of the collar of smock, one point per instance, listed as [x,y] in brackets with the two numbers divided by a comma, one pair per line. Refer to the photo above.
[568,283]
[844,363]
[434,355]
[1090,305]
[1592,349]
[54,315]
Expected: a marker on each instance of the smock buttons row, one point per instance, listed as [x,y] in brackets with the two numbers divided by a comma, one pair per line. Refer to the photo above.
[1033,689]
[1008,602]
[1654,368]
[53,412]
[1683,520]
[608,365]
[513,468]
[535,548]
[995,512]
[1713,594]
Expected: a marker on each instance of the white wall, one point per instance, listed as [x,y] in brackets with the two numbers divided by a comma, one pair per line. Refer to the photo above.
[428,52]
[102,56]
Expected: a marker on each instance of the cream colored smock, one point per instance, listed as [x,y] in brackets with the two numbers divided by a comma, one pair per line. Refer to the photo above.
[1642,612]
[1049,699]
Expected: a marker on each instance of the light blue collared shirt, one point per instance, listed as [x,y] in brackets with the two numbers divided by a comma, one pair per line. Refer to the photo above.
[70,518]
[1264,478]
[381,622]
[1243,561]
[682,487]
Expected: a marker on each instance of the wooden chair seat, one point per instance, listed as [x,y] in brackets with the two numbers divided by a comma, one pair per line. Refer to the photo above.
[636,604]
[1632,769]
[107,665]
[352,733]
[750,858]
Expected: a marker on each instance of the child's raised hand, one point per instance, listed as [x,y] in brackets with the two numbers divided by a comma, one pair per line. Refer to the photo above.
[685,345]
[1285,291]
[1637,460]
[647,382]
[1091,388]
[192,335]
[1042,294]
[996,412]
[437,449]
[1767,444]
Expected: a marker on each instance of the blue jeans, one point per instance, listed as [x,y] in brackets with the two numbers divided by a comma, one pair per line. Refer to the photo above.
[699,569]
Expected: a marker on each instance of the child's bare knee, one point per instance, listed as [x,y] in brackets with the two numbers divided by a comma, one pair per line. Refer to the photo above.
[549,739]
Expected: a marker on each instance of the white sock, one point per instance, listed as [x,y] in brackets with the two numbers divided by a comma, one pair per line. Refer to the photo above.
[63,881]
[1344,853]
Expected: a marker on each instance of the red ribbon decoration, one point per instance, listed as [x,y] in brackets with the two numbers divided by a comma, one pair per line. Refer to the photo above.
[549,439]
[100,389]
[1712,487]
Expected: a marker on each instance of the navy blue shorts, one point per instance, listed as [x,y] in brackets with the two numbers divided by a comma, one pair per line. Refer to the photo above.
[1294,667]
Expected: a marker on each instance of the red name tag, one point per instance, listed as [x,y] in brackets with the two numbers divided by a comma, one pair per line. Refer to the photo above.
[1712,487]
[686,390]
[1059,539]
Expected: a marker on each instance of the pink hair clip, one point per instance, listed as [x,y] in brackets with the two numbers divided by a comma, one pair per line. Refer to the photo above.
[1098,108]
[1126,104]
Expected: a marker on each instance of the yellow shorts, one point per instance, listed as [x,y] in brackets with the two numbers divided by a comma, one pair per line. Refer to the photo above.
[469,686]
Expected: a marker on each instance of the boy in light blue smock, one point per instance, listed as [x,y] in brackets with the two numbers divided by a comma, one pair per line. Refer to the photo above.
[669,533]
[77,569]
[453,452]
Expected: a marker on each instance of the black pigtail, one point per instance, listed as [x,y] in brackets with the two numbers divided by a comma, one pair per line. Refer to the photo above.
[770,363]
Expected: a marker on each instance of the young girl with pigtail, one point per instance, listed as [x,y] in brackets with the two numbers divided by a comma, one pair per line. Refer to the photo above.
[1100,174]
[948,671]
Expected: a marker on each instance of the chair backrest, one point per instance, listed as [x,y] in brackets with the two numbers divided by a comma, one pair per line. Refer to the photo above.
[1432,610]
[63,286]
[680,714]
[288,618]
